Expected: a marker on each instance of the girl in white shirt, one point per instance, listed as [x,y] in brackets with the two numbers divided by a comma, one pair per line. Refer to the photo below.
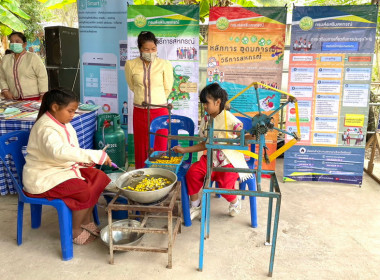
[56,167]
[214,98]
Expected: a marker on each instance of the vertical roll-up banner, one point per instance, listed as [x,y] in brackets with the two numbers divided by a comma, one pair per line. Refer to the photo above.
[177,31]
[246,45]
[103,49]
[330,68]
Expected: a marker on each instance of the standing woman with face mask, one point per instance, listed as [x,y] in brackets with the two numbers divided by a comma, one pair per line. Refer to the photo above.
[23,76]
[150,78]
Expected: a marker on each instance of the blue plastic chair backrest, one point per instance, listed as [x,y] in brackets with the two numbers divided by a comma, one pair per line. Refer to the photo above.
[12,144]
[247,125]
[177,123]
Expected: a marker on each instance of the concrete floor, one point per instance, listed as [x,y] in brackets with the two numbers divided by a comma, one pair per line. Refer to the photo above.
[326,231]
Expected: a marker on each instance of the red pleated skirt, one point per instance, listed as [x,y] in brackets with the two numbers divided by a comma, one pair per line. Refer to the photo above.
[76,193]
[140,134]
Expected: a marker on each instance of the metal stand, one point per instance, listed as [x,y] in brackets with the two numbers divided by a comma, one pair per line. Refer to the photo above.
[149,212]
[273,193]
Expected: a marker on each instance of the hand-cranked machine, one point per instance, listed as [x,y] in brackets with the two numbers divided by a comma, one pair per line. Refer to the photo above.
[261,124]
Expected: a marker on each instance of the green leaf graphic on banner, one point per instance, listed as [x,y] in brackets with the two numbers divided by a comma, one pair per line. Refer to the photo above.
[176,94]
[245,40]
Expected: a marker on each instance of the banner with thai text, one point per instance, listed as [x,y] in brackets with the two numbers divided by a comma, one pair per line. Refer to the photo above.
[246,45]
[103,47]
[177,31]
[330,68]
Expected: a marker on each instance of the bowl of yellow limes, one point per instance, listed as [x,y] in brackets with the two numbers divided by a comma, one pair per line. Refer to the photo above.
[146,185]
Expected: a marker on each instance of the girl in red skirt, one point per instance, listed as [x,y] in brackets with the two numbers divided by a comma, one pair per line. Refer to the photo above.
[56,167]
[214,98]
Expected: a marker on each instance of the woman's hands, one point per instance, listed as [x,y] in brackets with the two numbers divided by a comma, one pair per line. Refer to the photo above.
[7,94]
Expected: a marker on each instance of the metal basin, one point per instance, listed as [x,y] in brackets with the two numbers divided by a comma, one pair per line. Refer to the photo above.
[137,175]
[120,237]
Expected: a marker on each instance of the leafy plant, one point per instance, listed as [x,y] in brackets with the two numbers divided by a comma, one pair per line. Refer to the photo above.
[10,14]
[144,2]
[56,4]
[38,14]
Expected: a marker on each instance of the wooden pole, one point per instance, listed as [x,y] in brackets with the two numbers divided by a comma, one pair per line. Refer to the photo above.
[375,141]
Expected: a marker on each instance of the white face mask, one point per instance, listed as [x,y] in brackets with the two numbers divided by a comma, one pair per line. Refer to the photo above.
[149,56]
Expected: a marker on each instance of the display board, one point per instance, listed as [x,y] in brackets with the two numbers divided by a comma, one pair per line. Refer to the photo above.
[330,68]
[103,41]
[177,31]
[246,45]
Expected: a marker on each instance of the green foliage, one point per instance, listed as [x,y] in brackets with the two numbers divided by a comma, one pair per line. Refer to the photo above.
[10,14]
[335,2]
[56,4]
[143,2]
[163,2]
[176,93]
[204,10]
[37,14]
[13,6]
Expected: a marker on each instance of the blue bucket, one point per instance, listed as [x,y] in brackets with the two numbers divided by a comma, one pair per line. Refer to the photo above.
[117,215]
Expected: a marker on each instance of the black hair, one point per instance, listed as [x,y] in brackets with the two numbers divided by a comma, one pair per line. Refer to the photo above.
[60,96]
[144,37]
[19,34]
[8,51]
[215,92]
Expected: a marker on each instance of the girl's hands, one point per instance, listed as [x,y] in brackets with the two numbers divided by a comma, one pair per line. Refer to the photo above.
[108,161]
[179,149]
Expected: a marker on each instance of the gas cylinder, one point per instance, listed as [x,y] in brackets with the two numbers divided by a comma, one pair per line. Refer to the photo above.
[110,133]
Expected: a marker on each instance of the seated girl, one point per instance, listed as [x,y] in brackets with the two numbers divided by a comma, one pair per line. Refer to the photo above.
[214,99]
[56,167]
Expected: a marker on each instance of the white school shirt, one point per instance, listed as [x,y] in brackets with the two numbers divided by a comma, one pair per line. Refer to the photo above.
[54,156]
[224,157]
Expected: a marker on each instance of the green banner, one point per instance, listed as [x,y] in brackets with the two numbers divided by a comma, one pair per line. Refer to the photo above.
[177,31]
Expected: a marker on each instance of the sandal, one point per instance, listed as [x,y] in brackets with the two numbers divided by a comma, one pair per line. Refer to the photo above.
[83,238]
[92,228]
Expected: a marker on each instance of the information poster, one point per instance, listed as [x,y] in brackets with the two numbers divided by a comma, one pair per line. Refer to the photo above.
[246,45]
[103,48]
[177,31]
[330,68]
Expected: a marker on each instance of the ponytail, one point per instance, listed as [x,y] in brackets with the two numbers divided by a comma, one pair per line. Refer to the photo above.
[60,96]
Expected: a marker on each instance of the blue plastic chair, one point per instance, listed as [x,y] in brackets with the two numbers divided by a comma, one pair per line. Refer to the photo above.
[177,123]
[12,144]
[250,183]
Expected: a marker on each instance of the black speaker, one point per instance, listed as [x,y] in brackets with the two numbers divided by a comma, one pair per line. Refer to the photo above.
[67,78]
[62,46]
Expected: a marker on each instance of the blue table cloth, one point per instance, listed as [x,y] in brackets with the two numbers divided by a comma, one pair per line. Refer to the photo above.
[85,126]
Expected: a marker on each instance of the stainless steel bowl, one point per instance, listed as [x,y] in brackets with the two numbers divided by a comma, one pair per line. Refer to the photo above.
[137,175]
[120,237]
